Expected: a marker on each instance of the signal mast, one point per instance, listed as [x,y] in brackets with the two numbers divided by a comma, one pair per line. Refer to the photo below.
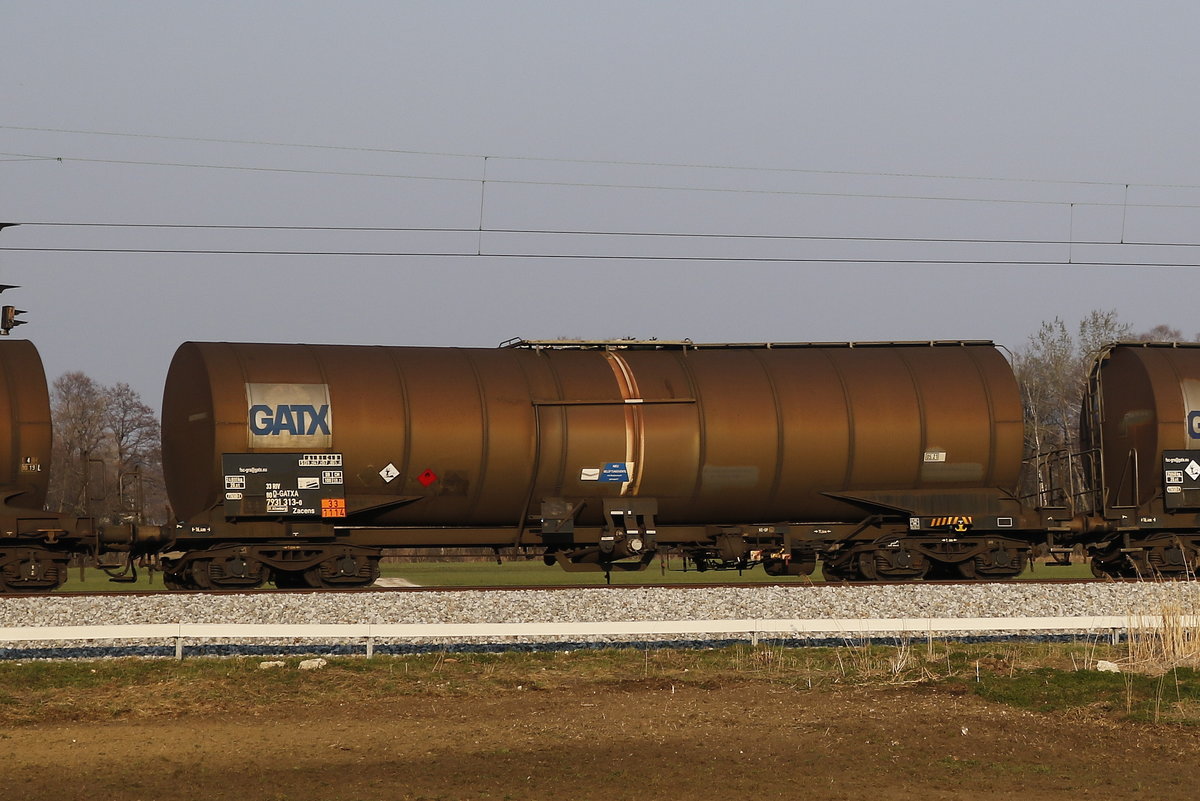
[9,314]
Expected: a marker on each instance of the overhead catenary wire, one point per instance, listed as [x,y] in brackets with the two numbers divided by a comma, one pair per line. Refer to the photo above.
[1065,262]
[481,230]
[580,184]
[587,233]
[586,161]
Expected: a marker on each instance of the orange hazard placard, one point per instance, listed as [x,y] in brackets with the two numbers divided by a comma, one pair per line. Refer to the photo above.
[333,507]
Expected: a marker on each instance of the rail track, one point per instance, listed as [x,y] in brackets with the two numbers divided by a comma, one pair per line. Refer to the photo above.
[565,587]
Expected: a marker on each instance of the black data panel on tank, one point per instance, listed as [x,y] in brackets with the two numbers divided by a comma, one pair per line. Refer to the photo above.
[295,486]
[1181,480]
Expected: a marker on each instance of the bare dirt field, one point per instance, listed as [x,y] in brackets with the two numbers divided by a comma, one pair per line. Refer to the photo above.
[619,729]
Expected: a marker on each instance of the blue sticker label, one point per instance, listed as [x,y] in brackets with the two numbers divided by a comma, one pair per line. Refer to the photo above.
[615,471]
[1194,425]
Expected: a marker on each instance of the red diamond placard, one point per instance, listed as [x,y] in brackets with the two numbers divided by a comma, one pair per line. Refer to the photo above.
[427,478]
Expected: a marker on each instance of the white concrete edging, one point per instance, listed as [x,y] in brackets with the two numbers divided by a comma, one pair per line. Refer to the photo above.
[748,629]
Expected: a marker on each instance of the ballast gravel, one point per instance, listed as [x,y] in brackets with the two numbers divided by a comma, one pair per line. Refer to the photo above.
[599,604]
[610,604]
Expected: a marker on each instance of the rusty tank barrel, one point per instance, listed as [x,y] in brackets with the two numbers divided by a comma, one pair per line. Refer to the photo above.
[25,409]
[715,433]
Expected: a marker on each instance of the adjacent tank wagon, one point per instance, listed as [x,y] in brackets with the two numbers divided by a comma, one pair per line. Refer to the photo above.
[1138,496]
[35,546]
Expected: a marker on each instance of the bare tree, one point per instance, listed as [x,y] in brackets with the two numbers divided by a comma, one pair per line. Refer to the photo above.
[1161,333]
[77,409]
[136,468]
[1097,329]
[1052,371]
[1045,373]
[107,456]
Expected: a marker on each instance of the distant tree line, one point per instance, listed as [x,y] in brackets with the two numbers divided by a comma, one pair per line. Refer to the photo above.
[107,453]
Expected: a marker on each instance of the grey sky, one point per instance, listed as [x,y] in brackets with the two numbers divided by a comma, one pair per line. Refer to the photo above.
[837,110]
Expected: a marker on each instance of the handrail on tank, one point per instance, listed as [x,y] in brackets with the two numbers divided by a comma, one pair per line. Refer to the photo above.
[1131,461]
[1065,480]
[687,344]
[597,344]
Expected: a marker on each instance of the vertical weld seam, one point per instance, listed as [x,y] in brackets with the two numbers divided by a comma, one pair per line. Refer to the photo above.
[701,428]
[627,387]
[406,465]
[993,416]
[484,434]
[780,430]
[922,417]
[538,443]
[850,432]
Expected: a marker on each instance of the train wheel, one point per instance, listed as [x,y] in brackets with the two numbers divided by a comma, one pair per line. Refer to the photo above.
[31,570]
[198,574]
[1110,561]
[1120,567]
[1001,563]
[899,564]
[177,576]
[1173,561]
[313,578]
[347,570]
[235,572]
[773,566]
[840,571]
[172,581]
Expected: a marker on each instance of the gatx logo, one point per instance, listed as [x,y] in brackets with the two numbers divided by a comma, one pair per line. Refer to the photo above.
[292,418]
[289,416]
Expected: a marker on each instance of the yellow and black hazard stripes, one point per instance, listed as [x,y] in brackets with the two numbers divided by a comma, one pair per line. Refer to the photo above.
[956,522]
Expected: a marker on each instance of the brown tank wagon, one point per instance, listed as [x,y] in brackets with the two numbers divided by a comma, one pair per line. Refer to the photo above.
[295,462]
[1140,479]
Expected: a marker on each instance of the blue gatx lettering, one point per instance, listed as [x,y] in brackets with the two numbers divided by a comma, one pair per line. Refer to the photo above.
[303,419]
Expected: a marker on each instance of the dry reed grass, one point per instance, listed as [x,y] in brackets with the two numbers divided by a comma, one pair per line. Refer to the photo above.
[1163,641]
